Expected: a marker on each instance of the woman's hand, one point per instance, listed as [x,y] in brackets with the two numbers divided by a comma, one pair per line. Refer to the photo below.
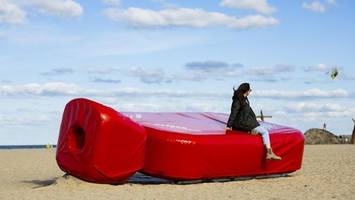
[228,128]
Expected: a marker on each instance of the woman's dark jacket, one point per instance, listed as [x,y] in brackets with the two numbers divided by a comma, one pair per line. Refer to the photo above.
[242,117]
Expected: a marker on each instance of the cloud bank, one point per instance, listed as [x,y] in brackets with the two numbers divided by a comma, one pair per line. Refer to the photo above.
[261,6]
[67,89]
[318,6]
[16,12]
[185,17]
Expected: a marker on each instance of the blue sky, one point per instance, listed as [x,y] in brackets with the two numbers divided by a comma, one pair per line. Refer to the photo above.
[162,55]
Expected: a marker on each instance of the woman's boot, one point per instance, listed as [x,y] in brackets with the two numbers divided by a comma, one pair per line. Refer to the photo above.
[270,155]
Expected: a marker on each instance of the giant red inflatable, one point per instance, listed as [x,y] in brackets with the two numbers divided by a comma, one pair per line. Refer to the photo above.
[99,144]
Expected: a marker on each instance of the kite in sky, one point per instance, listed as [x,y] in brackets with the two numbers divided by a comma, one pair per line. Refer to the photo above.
[333,73]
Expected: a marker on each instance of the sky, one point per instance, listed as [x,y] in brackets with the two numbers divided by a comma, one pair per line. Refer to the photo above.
[175,56]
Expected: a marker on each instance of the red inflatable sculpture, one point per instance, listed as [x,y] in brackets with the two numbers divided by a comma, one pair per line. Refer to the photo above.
[99,144]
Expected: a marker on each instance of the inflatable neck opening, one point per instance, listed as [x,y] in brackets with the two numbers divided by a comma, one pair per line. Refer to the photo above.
[76,138]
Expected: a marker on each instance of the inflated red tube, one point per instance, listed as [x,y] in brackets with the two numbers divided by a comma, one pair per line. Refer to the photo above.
[192,146]
[98,144]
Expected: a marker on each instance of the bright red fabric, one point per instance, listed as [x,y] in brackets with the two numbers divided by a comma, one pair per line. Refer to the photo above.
[177,146]
[98,144]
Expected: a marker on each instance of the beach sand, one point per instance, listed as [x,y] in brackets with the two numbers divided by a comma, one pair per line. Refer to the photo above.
[328,172]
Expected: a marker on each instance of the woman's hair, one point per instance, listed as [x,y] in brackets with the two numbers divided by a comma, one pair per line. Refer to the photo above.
[239,93]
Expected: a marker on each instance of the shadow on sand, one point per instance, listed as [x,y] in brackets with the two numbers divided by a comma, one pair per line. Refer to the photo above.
[142,179]
[41,183]
[139,178]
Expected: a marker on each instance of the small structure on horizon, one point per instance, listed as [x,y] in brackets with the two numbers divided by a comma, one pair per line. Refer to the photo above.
[262,116]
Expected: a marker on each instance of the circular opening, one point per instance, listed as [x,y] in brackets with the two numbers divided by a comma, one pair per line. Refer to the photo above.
[76,138]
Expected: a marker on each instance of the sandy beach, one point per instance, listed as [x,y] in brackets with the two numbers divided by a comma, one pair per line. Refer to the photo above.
[328,172]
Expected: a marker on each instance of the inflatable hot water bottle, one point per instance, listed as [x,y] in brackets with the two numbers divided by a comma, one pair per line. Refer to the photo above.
[99,144]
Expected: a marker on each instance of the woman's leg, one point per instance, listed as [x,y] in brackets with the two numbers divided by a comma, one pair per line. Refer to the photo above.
[266,140]
[264,134]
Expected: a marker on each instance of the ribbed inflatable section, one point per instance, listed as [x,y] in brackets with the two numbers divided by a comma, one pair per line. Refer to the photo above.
[98,144]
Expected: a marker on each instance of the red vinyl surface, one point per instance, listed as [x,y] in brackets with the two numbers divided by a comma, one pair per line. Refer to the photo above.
[188,146]
[177,146]
[98,144]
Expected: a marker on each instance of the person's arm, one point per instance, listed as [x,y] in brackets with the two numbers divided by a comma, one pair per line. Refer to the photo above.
[234,111]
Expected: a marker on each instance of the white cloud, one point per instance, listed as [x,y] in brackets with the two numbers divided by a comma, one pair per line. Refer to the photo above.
[212,69]
[318,68]
[16,11]
[222,70]
[102,70]
[66,89]
[148,75]
[310,93]
[207,70]
[11,13]
[186,17]
[260,6]
[59,88]
[166,107]
[106,80]
[66,8]
[58,72]
[20,120]
[276,69]
[195,73]
[315,107]
[47,89]
[212,66]
[129,99]
[313,110]
[315,6]
[318,6]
